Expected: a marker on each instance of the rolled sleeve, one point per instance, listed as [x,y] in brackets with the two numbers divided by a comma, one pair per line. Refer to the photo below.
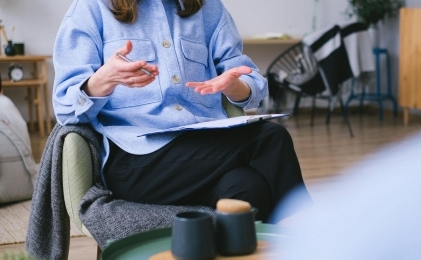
[227,54]
[258,89]
[72,69]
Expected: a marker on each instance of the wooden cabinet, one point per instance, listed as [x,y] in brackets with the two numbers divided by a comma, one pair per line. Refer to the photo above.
[36,86]
[410,60]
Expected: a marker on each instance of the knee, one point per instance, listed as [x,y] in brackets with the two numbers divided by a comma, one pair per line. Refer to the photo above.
[277,130]
[244,183]
[275,135]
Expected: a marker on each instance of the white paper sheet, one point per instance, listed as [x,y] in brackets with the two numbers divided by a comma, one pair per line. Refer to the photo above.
[222,123]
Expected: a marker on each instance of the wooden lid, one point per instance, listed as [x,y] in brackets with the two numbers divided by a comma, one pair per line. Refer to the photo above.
[232,206]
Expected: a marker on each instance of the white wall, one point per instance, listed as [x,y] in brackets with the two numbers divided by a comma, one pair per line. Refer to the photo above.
[37,22]
[285,16]
[291,17]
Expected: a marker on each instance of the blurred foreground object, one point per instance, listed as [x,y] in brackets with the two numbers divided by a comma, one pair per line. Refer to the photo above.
[371,212]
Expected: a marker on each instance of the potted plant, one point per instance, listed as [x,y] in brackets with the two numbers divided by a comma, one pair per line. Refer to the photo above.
[371,12]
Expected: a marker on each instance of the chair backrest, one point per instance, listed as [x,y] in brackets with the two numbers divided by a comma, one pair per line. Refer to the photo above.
[296,66]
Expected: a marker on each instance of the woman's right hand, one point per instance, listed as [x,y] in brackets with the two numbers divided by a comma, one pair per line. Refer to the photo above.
[117,71]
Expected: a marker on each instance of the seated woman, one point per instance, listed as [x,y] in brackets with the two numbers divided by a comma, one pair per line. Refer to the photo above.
[193,53]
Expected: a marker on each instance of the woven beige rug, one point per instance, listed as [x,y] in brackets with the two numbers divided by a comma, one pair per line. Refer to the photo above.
[14,223]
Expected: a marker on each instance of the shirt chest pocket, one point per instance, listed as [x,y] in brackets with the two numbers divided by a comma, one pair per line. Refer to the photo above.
[124,96]
[196,60]
[196,69]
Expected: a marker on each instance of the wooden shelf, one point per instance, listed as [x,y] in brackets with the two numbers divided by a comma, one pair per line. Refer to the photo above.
[36,88]
[24,58]
[23,83]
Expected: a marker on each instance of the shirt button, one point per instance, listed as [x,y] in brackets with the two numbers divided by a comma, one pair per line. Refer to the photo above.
[175,79]
[81,101]
[166,43]
[178,107]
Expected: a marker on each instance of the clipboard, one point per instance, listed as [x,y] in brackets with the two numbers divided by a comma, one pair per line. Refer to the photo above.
[220,123]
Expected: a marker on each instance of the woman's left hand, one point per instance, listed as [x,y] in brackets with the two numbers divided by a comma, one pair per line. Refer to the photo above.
[227,83]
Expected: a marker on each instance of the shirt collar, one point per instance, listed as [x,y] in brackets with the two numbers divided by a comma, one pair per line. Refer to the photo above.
[181,4]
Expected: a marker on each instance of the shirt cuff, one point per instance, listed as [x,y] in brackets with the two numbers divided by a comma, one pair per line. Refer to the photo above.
[89,105]
[242,103]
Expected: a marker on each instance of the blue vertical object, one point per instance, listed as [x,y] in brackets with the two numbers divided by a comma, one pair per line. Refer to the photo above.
[377,96]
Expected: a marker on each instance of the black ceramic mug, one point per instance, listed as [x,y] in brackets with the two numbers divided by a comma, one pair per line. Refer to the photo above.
[193,236]
[236,232]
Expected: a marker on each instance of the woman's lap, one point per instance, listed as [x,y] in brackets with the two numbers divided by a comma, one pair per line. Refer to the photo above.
[188,170]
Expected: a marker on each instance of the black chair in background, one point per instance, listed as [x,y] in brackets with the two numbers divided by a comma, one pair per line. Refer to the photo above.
[296,70]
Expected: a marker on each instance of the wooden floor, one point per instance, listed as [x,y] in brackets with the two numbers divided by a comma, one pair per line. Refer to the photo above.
[323,150]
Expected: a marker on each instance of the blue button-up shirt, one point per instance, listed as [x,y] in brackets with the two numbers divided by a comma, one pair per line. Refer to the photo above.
[196,48]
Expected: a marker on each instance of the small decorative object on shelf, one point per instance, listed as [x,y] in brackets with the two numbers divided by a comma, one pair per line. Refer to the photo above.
[10,50]
[2,35]
[15,72]
[20,48]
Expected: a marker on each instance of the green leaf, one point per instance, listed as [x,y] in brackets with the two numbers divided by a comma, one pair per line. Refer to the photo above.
[371,12]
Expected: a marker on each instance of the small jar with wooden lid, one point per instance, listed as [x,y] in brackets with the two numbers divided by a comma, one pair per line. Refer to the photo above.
[235,227]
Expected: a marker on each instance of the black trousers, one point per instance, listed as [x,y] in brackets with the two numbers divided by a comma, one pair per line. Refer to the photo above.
[256,163]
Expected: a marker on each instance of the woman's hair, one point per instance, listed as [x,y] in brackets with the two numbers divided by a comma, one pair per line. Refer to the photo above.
[126,10]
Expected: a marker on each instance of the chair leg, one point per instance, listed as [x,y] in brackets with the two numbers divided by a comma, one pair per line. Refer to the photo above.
[389,88]
[351,96]
[378,94]
[362,98]
[345,114]
[313,109]
[296,103]
[276,101]
[329,110]
[276,104]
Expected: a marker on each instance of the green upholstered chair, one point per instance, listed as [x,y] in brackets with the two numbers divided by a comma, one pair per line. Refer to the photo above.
[77,169]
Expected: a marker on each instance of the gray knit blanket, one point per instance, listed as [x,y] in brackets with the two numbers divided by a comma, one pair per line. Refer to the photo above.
[106,218]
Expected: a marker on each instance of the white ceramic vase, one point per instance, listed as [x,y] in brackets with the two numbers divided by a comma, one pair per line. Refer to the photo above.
[373,31]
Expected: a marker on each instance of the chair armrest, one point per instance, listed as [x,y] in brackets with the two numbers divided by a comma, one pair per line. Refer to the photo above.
[77,175]
[231,109]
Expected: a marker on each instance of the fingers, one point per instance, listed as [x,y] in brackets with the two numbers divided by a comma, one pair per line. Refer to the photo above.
[224,82]
[243,70]
[153,69]
[203,88]
[126,49]
[124,64]
[127,68]
[139,81]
